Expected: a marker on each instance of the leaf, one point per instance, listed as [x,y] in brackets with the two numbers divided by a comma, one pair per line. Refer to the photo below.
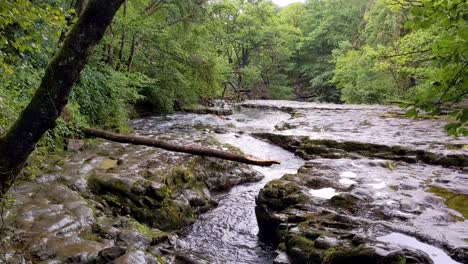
[413,112]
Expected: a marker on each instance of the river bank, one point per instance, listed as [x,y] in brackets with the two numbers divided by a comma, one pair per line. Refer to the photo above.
[355,178]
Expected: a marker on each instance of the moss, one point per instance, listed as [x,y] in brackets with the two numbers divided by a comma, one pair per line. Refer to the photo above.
[456,201]
[391,165]
[146,230]
[282,246]
[108,164]
[457,218]
[90,236]
[302,250]
[394,187]
[345,201]
[160,260]
[233,148]
[329,254]
[174,215]
[402,260]
[179,177]
[279,195]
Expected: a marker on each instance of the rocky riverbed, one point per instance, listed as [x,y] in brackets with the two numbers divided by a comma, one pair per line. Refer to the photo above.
[357,184]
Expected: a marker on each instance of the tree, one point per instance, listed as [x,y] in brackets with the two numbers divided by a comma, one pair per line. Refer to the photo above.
[325,25]
[52,95]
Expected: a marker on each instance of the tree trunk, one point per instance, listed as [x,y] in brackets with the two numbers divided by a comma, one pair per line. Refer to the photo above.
[79,7]
[132,53]
[122,39]
[200,151]
[109,59]
[52,95]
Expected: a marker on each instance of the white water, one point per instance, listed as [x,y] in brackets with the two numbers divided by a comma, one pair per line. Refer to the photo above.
[436,254]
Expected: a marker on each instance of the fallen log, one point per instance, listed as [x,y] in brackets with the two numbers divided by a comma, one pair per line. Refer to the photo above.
[194,150]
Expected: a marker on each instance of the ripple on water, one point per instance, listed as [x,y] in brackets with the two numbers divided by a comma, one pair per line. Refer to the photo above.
[228,233]
[324,193]
[437,255]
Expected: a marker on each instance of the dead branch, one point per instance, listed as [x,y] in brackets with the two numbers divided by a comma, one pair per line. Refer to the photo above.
[194,150]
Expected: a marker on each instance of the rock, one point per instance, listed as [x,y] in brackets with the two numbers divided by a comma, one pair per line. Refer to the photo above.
[203,110]
[132,257]
[109,232]
[324,242]
[410,206]
[220,130]
[134,240]
[80,185]
[460,254]
[110,254]
[408,186]
[281,258]
[46,178]
[75,145]
[84,257]
[195,198]
[188,257]
[120,221]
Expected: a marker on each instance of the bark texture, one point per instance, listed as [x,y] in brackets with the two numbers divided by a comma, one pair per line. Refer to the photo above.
[199,151]
[52,95]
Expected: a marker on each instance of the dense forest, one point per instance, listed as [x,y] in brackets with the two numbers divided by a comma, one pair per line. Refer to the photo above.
[161,55]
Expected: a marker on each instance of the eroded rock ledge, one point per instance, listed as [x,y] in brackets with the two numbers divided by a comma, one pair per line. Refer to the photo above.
[114,202]
[338,210]
[308,148]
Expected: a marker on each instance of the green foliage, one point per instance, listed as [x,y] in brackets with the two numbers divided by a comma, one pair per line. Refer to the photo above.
[324,27]
[257,45]
[27,29]
[103,96]
[362,77]
[414,52]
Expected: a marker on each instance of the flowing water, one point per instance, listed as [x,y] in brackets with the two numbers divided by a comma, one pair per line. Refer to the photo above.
[228,234]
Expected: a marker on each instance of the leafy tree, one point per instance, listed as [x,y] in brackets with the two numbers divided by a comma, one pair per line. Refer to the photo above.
[50,98]
[324,27]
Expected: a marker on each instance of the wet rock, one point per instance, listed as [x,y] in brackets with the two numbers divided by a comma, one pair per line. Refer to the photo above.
[460,254]
[313,230]
[110,254]
[84,257]
[133,239]
[75,145]
[312,148]
[187,257]
[324,242]
[220,130]
[409,206]
[109,232]
[46,178]
[195,198]
[208,110]
[408,186]
[281,258]
[132,257]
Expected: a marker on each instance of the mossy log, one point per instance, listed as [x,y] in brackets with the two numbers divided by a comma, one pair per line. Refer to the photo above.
[194,150]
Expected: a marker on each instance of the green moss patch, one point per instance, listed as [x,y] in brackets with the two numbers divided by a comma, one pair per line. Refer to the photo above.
[456,201]
[108,164]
